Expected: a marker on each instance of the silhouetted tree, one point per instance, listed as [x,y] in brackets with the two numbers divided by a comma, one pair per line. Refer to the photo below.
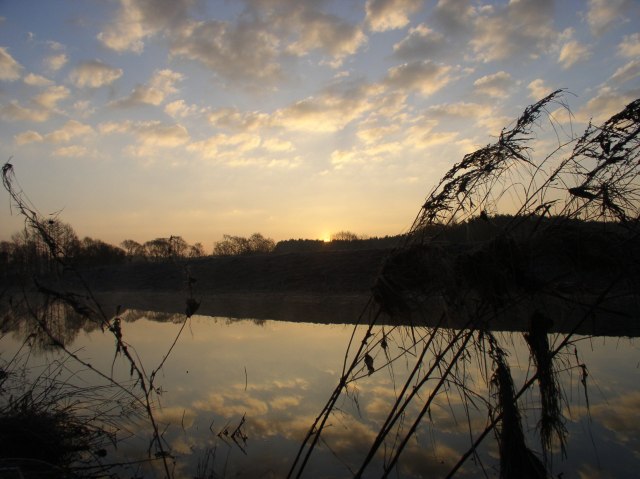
[158,249]
[178,246]
[345,236]
[133,249]
[95,252]
[238,245]
[196,251]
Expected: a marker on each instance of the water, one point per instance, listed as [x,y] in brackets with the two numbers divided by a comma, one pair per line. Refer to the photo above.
[267,380]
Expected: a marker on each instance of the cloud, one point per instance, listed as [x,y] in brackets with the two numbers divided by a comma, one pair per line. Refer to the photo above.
[460,110]
[176,415]
[383,15]
[419,138]
[161,84]
[10,70]
[27,137]
[154,134]
[620,415]
[179,109]
[36,80]
[339,158]
[496,85]
[277,145]
[138,19]
[330,111]
[71,129]
[16,112]
[425,77]
[239,53]
[252,50]
[602,14]
[83,108]
[521,28]
[44,105]
[234,119]
[538,89]
[420,43]
[226,148]
[94,74]
[374,134]
[328,33]
[454,15]
[573,52]
[232,403]
[606,103]
[627,72]
[150,136]
[49,98]
[54,63]
[73,151]
[630,46]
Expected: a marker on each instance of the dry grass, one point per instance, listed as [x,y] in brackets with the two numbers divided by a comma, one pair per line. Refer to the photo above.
[588,185]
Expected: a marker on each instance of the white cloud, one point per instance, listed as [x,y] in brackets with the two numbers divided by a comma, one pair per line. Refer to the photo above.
[340,158]
[161,135]
[26,137]
[419,139]
[239,53]
[328,112]
[53,63]
[420,43]
[627,72]
[374,134]
[630,46]
[94,74]
[606,103]
[234,119]
[316,30]
[138,19]
[73,151]
[228,149]
[454,15]
[71,129]
[496,85]
[179,109]
[151,137]
[460,110]
[161,84]
[573,52]
[16,112]
[277,145]
[538,89]
[10,69]
[425,77]
[602,14]
[252,52]
[36,80]
[83,108]
[383,15]
[521,28]
[49,98]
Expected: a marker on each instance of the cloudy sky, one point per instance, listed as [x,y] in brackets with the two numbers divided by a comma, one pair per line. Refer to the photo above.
[294,118]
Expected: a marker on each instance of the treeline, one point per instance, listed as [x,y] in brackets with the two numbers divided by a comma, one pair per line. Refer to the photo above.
[32,252]
[28,251]
[337,243]
[161,249]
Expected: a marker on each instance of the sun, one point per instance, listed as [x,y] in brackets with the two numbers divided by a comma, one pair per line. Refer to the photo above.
[326,237]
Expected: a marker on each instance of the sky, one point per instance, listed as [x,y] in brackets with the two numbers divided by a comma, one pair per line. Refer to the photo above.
[138,119]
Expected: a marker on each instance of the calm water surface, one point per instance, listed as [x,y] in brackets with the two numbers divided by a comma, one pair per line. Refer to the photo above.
[270,379]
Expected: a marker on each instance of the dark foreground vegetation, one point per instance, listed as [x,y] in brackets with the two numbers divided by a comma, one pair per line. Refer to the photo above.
[570,248]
